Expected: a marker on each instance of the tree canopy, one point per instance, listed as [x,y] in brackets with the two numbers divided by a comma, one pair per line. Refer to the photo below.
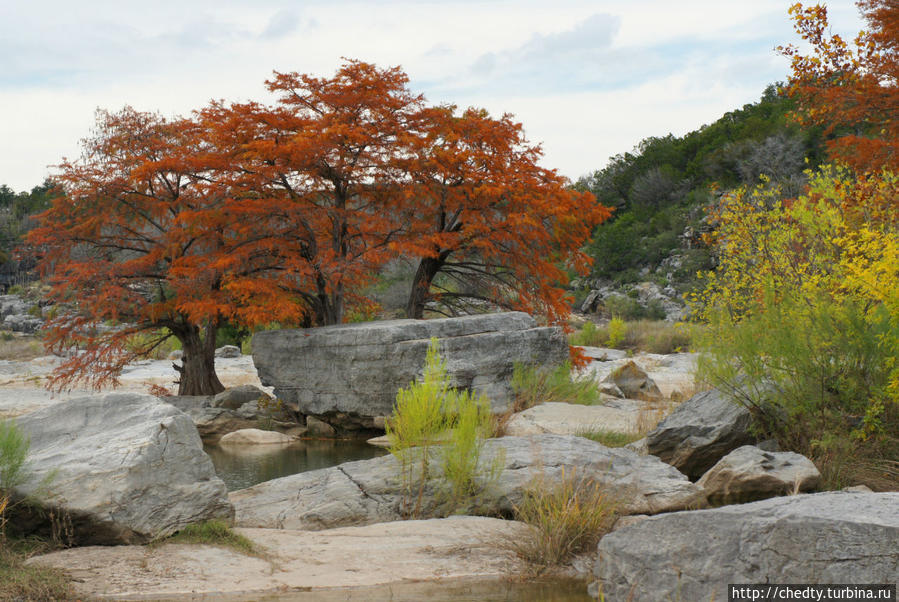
[252,213]
[852,90]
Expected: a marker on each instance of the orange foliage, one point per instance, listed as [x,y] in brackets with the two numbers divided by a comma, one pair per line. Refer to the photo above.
[850,89]
[250,214]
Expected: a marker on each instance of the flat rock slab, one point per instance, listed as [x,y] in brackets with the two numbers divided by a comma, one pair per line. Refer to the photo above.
[749,473]
[571,419]
[370,491]
[348,375]
[428,550]
[834,537]
[122,467]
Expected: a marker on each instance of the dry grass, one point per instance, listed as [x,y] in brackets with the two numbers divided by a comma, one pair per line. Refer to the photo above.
[20,347]
[650,336]
[566,518]
[648,418]
[19,581]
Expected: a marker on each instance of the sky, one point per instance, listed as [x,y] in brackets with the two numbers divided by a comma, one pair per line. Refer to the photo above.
[588,79]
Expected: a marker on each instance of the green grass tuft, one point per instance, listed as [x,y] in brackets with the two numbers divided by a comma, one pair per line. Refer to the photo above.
[532,386]
[215,533]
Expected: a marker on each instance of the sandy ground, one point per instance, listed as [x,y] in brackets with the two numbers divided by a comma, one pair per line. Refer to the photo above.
[351,557]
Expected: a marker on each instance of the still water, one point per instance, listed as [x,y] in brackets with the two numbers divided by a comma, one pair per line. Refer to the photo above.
[246,465]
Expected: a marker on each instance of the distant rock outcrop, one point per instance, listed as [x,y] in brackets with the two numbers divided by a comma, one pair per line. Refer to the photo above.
[348,375]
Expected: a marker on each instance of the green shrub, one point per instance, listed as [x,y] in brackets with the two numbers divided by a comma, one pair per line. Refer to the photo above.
[566,518]
[617,331]
[428,414]
[14,447]
[588,336]
[812,384]
[533,385]
[803,322]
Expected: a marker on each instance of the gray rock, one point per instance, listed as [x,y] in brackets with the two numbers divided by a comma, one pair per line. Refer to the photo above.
[22,323]
[349,374]
[634,383]
[125,467]
[570,419]
[749,473]
[317,428]
[821,538]
[228,351]
[700,432]
[370,491]
[233,398]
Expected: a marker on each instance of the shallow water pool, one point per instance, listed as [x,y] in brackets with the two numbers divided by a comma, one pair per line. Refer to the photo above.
[241,466]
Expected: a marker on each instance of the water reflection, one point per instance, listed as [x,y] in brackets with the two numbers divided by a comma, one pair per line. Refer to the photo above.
[241,466]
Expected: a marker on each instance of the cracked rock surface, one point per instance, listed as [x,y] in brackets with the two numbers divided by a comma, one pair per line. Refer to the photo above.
[370,491]
[834,537]
[120,468]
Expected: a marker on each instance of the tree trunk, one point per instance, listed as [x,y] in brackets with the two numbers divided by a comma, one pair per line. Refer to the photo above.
[428,267]
[197,368]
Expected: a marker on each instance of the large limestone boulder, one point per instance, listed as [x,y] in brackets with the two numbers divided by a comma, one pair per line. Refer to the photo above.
[832,537]
[749,473]
[348,375]
[122,468]
[370,491]
[700,432]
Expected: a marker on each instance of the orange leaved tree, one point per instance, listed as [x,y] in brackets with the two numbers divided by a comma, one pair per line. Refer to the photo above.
[317,184]
[126,254]
[488,220]
[851,89]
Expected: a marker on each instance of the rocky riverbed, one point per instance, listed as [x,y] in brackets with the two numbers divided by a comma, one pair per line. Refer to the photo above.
[129,467]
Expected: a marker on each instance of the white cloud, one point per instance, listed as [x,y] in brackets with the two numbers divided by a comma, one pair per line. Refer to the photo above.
[588,78]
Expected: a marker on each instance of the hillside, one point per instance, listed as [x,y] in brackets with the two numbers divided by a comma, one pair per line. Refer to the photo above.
[661,191]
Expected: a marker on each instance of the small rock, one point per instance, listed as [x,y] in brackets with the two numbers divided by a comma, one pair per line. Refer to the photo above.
[858,489]
[255,437]
[228,351]
[626,521]
[382,441]
[634,383]
[235,397]
[317,428]
[749,473]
